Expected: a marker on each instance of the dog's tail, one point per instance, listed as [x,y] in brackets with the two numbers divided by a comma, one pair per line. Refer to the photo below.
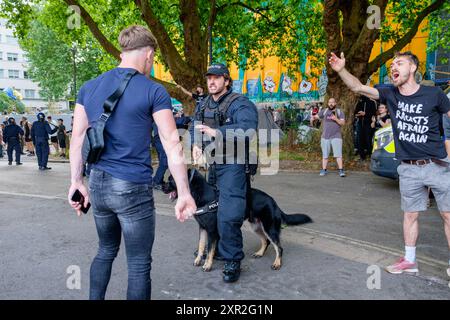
[295,219]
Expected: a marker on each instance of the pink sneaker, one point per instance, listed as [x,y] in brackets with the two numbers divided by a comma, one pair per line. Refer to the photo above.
[402,265]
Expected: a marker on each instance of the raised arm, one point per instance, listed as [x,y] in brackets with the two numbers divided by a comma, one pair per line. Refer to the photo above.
[338,65]
[185,91]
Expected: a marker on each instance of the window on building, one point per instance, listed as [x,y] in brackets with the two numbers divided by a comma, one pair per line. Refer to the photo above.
[25,75]
[12,56]
[13,74]
[2,74]
[1,55]
[30,94]
[11,39]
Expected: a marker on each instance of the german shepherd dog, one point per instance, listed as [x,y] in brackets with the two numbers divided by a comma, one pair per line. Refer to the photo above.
[266,222]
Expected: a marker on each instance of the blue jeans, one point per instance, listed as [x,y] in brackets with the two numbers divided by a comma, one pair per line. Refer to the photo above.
[122,207]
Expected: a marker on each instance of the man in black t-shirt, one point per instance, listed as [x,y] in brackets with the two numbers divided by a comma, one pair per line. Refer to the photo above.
[415,114]
[198,96]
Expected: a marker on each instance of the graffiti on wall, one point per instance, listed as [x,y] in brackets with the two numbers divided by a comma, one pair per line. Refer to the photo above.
[269,84]
[305,87]
[323,83]
[237,86]
[252,87]
[286,85]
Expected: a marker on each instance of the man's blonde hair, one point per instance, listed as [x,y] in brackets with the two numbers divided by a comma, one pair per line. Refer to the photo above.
[136,37]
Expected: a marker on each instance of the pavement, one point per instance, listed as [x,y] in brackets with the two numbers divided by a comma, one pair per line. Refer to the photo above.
[357,231]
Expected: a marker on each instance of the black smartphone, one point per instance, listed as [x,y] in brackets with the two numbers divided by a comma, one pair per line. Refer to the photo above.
[78,197]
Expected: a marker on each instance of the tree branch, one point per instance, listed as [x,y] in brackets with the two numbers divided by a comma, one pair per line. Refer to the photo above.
[170,54]
[211,20]
[258,11]
[386,55]
[194,51]
[332,25]
[354,17]
[104,42]
[360,50]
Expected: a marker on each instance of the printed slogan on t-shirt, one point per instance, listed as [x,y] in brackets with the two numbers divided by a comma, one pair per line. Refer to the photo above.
[412,125]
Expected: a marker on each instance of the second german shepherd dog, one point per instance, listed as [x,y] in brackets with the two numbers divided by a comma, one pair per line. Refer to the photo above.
[266,222]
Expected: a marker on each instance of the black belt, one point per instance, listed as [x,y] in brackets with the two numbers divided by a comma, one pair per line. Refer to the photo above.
[427,161]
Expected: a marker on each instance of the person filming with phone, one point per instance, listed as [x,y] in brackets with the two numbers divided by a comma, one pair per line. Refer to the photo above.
[120,182]
[333,119]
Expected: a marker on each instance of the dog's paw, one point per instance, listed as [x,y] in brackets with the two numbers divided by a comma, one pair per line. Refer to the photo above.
[207,267]
[198,261]
[257,255]
[276,266]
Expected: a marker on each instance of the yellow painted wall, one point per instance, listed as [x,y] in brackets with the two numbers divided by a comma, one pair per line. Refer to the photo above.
[418,46]
[271,66]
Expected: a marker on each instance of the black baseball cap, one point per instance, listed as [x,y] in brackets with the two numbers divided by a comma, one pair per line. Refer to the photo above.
[217,69]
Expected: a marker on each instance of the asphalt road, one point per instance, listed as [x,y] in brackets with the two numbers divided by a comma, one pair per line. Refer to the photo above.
[356,232]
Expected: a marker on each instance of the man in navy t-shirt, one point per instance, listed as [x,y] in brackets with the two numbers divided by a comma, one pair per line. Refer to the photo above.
[120,183]
[415,114]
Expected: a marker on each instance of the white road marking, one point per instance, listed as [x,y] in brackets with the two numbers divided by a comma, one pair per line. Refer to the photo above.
[27,195]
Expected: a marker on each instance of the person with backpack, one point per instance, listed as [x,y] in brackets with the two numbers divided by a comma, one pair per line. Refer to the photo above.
[225,115]
[333,119]
[120,182]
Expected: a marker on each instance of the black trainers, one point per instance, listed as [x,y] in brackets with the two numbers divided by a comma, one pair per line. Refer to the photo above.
[9,163]
[19,163]
[231,271]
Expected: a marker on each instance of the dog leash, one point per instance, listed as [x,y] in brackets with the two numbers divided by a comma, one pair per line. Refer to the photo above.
[210,207]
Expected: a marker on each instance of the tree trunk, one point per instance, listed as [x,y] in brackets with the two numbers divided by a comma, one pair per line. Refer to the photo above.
[346,101]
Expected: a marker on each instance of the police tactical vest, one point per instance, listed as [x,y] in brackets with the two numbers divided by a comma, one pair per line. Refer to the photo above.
[215,116]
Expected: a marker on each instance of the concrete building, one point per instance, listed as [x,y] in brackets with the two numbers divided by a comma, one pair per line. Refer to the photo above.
[13,72]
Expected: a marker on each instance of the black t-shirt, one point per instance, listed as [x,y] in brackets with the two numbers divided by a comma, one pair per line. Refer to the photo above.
[199,97]
[384,119]
[61,134]
[415,121]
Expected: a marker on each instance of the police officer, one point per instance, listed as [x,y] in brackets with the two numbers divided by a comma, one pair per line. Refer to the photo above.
[12,136]
[39,134]
[223,110]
